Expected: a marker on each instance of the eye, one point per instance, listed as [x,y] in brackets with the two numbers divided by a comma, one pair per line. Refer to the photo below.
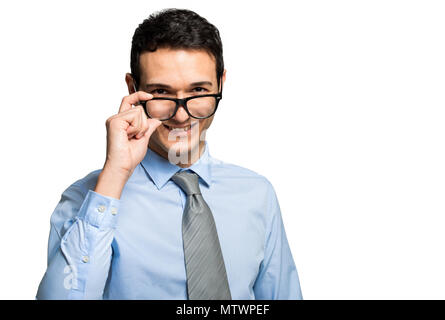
[159,91]
[200,89]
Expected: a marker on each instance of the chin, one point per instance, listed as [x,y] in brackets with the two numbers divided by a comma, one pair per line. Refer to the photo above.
[184,145]
[181,148]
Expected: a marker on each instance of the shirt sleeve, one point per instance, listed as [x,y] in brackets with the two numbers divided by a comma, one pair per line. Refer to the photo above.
[79,246]
[277,278]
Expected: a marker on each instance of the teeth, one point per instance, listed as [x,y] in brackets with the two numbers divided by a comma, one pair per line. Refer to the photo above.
[179,129]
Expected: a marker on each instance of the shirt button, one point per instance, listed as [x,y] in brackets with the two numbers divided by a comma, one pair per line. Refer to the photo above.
[101,209]
[113,211]
[85,259]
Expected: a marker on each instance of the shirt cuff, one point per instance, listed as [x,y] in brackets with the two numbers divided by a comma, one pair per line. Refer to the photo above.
[99,211]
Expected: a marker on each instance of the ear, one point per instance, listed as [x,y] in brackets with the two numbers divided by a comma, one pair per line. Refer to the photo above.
[130,83]
[223,79]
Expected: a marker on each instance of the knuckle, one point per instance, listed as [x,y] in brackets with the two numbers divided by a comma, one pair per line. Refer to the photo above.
[111,122]
[139,109]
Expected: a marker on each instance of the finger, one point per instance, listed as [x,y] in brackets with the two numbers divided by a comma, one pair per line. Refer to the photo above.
[144,125]
[135,127]
[152,125]
[124,121]
[133,99]
[128,120]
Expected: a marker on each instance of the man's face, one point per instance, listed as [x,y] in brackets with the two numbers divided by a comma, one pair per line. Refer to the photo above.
[170,73]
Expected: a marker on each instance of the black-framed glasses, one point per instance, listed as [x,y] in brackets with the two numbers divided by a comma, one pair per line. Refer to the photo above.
[198,107]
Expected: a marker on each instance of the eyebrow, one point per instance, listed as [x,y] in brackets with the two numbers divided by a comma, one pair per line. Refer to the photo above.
[193,84]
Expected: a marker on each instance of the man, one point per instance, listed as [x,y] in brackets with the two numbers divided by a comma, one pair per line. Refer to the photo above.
[169,221]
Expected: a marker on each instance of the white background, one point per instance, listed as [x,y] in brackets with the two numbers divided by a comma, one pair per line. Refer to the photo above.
[340,104]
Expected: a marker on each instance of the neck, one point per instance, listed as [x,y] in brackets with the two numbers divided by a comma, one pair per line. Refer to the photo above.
[193,155]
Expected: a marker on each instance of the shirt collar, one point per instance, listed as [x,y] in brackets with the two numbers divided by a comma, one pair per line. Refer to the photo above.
[161,170]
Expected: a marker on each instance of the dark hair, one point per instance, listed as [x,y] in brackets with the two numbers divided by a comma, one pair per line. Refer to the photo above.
[176,29]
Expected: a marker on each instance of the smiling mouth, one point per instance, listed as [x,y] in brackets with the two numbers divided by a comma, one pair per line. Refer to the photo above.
[180,129]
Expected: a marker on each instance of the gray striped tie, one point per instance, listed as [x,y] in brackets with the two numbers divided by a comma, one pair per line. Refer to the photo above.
[204,263]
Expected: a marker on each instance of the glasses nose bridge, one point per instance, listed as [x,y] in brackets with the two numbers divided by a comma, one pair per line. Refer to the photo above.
[182,102]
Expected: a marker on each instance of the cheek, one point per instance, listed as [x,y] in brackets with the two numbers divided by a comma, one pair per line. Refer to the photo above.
[205,124]
[161,131]
[159,134]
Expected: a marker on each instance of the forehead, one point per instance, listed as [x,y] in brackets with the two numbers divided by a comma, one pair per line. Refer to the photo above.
[170,64]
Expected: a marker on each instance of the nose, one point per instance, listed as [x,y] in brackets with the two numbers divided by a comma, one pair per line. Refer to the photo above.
[181,115]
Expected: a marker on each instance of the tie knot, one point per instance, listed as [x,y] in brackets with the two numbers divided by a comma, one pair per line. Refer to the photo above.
[187,181]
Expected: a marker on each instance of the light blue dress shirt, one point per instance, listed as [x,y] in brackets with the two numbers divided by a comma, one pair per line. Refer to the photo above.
[131,248]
